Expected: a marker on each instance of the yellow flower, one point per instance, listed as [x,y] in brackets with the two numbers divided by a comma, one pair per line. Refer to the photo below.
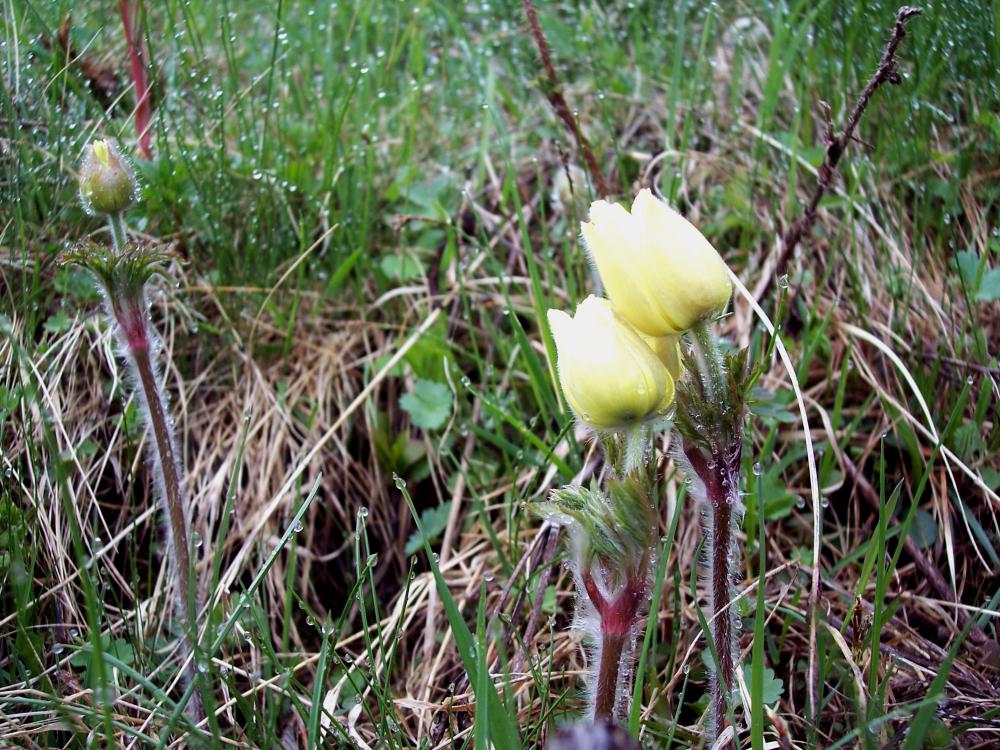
[611,378]
[668,349]
[659,271]
[107,183]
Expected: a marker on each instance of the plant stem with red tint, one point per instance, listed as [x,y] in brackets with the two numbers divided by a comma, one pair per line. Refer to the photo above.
[140,77]
[618,619]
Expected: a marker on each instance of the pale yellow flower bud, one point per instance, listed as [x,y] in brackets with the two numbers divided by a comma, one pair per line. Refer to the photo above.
[107,182]
[610,377]
[659,271]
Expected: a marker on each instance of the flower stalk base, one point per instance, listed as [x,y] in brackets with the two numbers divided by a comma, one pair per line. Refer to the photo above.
[613,533]
[723,512]
[612,647]
[618,620]
[711,409]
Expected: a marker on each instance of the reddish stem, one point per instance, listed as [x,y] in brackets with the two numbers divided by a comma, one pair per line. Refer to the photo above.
[618,618]
[135,330]
[553,92]
[722,623]
[612,647]
[140,79]
[132,322]
[720,475]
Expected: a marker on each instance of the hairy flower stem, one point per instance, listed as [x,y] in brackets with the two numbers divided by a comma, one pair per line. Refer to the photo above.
[722,615]
[717,464]
[135,332]
[612,647]
[618,619]
[119,234]
[167,462]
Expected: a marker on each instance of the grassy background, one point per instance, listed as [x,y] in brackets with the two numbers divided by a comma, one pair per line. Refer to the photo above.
[345,182]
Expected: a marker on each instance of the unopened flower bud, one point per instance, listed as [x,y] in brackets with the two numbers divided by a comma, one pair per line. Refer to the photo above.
[107,182]
[610,376]
[659,271]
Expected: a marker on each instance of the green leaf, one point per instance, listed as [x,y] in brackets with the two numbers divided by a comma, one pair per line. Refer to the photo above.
[60,322]
[86,448]
[122,650]
[966,440]
[436,198]
[967,265]
[778,499]
[550,600]
[924,531]
[130,419]
[429,405]
[763,403]
[119,648]
[427,356]
[991,477]
[77,284]
[402,267]
[773,686]
[397,370]
[989,287]
[433,522]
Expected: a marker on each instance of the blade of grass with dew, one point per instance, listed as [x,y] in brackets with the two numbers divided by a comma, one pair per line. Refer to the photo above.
[935,692]
[237,611]
[498,411]
[757,649]
[541,385]
[501,728]
[482,718]
[538,295]
[319,684]
[653,621]
[225,519]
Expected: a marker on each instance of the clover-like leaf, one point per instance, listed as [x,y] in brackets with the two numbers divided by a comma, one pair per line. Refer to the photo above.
[429,404]
[989,286]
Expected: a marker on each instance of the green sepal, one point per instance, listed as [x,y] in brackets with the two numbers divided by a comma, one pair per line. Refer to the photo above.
[615,529]
[122,273]
[627,451]
[702,422]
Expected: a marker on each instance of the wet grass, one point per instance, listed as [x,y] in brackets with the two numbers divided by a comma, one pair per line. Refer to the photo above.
[360,196]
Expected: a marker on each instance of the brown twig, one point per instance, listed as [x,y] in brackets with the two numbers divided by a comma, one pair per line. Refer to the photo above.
[952,363]
[553,92]
[837,144]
